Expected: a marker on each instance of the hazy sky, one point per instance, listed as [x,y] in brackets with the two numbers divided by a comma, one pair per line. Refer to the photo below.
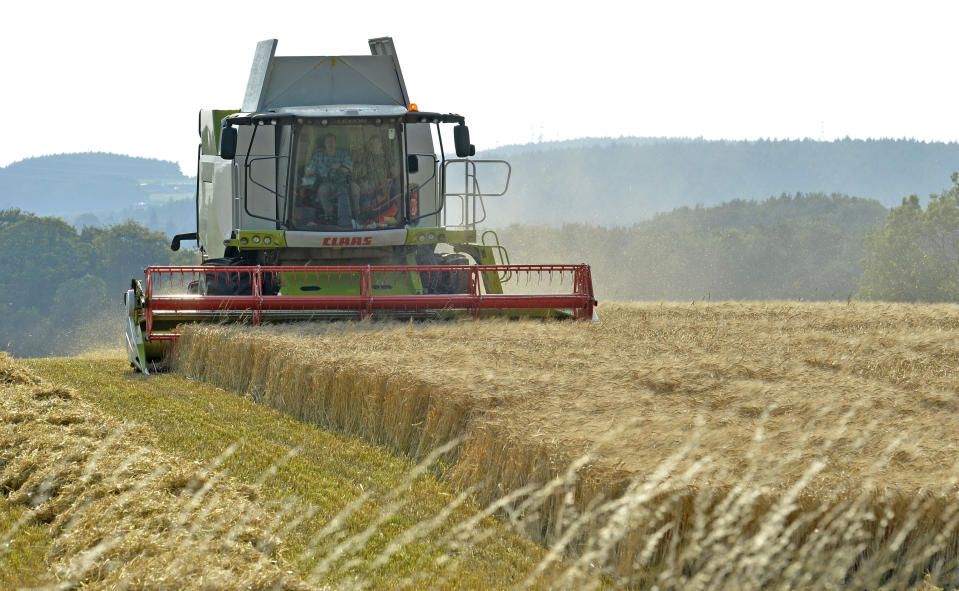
[117,77]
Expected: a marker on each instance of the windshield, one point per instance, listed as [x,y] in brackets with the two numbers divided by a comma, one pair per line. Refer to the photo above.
[347,176]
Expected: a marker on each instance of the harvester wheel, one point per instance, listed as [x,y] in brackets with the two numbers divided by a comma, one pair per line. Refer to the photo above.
[456,281]
[232,283]
[447,281]
[225,283]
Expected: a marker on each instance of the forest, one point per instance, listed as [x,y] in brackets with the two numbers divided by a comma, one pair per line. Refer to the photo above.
[790,247]
[62,288]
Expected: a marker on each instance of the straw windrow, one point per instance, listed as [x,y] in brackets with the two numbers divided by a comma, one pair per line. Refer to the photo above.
[119,513]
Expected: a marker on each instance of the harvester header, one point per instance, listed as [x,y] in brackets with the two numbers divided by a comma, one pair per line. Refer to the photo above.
[325,196]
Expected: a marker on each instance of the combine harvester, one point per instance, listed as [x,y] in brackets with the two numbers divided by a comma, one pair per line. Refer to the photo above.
[324,197]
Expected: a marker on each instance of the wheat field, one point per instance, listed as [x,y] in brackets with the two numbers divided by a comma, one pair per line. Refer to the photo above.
[724,445]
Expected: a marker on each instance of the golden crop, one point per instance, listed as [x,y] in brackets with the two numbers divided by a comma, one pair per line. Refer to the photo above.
[738,445]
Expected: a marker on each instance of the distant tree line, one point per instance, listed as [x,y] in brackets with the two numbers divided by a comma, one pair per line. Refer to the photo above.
[797,247]
[61,289]
[789,247]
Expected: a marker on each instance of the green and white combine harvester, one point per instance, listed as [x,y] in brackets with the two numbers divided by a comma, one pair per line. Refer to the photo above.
[329,195]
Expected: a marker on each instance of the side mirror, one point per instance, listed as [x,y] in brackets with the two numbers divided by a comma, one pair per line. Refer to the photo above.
[412,164]
[461,138]
[228,142]
[175,245]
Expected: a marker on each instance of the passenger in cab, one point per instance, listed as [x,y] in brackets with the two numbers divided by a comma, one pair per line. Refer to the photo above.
[377,186]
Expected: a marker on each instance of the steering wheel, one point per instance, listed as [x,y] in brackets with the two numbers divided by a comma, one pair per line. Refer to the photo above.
[339,174]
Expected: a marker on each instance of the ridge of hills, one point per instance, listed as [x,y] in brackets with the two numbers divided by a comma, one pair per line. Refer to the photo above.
[90,182]
[618,182]
[598,181]
[107,163]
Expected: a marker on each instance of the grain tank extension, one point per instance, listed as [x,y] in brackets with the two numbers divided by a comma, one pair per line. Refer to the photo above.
[329,195]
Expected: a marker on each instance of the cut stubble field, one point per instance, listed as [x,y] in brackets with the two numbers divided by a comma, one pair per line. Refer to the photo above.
[677,445]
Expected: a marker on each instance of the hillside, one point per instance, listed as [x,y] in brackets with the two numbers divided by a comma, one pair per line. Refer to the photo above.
[622,181]
[64,184]
[604,182]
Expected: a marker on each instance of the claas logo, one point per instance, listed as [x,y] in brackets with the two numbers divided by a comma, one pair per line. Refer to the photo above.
[348,241]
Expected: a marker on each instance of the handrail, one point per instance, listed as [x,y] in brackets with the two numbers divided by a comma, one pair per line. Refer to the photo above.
[472,196]
[497,248]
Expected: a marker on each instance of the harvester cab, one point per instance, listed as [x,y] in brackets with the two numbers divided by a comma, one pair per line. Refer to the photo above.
[325,196]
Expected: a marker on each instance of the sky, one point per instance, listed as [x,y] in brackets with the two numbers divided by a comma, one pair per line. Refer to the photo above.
[120,77]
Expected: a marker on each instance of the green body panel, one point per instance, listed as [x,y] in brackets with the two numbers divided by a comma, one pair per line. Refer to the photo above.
[210,129]
[318,284]
[415,277]
[144,351]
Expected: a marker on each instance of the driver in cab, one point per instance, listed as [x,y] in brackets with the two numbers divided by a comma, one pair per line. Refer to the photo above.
[329,159]
[329,173]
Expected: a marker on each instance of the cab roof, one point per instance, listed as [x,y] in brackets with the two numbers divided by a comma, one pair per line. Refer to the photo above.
[342,112]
